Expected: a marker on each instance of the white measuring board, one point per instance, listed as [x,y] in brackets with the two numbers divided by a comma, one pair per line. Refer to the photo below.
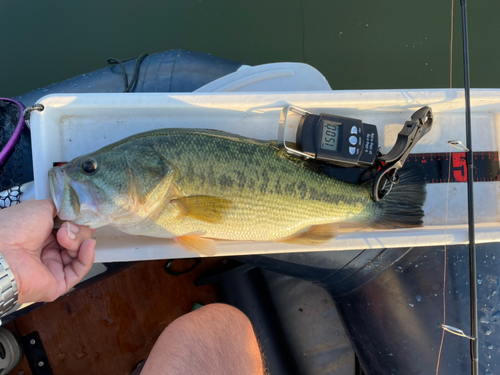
[72,125]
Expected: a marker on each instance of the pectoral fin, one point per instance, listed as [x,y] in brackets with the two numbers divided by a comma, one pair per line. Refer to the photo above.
[314,235]
[197,244]
[203,207]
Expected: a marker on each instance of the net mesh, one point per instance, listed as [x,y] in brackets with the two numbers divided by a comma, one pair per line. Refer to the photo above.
[11,173]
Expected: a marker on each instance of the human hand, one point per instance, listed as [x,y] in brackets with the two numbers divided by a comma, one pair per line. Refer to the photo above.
[46,263]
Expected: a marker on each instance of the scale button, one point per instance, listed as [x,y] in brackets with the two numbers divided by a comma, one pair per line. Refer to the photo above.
[352,150]
[354,130]
[353,140]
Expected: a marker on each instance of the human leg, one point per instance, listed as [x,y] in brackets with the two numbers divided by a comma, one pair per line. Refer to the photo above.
[216,339]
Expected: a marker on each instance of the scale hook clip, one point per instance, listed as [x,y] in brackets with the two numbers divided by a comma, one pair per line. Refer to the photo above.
[413,130]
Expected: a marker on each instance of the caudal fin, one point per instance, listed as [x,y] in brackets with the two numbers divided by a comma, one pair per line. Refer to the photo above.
[403,206]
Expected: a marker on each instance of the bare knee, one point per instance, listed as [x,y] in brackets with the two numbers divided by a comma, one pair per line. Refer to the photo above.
[216,317]
[220,328]
[216,339]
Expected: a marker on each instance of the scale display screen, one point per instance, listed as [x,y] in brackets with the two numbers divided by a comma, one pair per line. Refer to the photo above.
[342,141]
[330,138]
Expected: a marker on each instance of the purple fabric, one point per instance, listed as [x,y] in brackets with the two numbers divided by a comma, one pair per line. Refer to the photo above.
[9,147]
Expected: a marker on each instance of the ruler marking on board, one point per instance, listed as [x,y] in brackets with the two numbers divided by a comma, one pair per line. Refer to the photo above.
[436,165]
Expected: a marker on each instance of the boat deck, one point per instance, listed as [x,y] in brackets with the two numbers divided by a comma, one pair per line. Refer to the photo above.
[108,327]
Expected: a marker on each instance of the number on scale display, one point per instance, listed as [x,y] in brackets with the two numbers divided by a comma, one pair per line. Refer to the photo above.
[329,141]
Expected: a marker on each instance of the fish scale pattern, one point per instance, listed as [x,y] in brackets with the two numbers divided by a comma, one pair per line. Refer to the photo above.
[273,195]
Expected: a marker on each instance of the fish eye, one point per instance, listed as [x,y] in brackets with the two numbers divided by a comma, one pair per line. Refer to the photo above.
[89,166]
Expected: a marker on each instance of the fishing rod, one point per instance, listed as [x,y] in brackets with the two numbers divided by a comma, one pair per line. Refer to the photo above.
[474,345]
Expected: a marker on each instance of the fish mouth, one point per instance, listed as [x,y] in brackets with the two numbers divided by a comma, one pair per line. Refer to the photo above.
[72,199]
[64,196]
[56,182]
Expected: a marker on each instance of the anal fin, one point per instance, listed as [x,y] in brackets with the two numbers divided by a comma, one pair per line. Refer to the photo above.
[197,244]
[314,235]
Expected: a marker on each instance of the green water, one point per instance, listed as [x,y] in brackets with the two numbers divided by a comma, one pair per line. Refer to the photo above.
[356,44]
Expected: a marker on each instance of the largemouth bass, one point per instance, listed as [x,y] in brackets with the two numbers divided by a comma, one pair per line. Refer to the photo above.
[196,185]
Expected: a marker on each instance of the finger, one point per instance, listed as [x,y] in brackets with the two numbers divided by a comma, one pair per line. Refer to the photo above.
[66,258]
[27,224]
[71,236]
[51,258]
[75,271]
[48,205]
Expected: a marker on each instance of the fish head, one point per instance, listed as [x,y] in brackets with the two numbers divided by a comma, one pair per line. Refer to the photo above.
[101,188]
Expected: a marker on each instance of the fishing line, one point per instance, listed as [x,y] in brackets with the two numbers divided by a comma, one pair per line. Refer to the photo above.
[445,261]
[447,200]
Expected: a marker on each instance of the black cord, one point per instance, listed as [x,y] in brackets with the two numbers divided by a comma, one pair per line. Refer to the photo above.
[178,273]
[129,87]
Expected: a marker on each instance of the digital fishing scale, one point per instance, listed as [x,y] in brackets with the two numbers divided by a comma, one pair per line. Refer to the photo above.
[352,146]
